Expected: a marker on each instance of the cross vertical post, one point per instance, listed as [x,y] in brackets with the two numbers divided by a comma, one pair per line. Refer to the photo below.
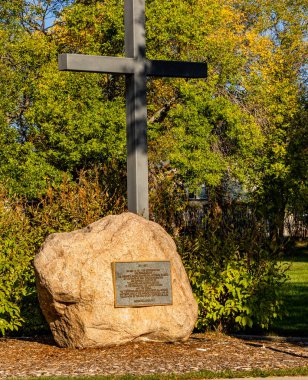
[136,111]
[136,68]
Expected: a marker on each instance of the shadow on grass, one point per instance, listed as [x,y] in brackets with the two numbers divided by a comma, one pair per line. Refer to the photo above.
[297,255]
[295,296]
[295,320]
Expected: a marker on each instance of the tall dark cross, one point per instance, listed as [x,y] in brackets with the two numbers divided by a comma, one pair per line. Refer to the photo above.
[136,68]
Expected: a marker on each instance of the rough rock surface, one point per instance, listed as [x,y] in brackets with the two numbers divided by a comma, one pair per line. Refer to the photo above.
[75,285]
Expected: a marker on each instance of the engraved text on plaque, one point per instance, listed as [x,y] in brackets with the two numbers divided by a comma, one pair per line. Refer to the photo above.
[142,283]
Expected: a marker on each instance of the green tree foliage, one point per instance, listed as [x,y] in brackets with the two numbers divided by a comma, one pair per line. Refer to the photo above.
[237,121]
[276,88]
[54,122]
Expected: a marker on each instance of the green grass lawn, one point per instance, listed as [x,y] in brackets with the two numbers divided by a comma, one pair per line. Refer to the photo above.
[295,296]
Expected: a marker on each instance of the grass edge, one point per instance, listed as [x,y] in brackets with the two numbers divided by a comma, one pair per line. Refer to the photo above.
[203,374]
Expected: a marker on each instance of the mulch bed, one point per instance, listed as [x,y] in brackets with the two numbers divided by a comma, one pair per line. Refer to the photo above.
[215,352]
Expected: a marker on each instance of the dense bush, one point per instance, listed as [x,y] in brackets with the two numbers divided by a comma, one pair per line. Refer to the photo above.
[231,263]
[16,253]
[237,296]
[168,199]
[23,228]
[234,273]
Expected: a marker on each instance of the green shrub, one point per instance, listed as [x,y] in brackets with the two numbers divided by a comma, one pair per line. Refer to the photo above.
[237,297]
[73,204]
[16,274]
[234,273]
[231,264]
[24,227]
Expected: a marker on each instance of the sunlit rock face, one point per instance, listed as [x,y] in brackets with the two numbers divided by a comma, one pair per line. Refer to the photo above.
[76,285]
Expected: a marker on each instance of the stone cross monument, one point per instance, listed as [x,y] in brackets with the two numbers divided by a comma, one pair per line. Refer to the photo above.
[136,68]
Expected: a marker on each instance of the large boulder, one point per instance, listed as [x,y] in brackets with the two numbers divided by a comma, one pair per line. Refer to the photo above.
[76,289]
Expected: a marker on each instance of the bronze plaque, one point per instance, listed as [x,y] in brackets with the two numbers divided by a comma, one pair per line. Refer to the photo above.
[142,283]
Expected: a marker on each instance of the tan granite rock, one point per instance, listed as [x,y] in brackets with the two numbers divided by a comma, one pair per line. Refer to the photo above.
[76,289]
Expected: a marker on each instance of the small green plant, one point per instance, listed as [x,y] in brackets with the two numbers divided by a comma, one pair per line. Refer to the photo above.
[237,297]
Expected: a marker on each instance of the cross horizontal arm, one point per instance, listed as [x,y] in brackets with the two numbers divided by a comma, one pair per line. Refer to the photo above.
[176,69]
[117,65]
[96,64]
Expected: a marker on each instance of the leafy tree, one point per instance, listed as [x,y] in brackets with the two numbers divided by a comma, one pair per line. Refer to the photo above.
[276,89]
[227,126]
